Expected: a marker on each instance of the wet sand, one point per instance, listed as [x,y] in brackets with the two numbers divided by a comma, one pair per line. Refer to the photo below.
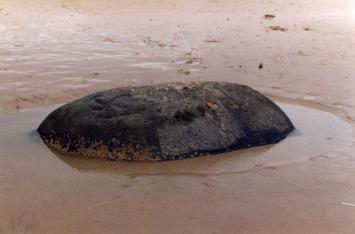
[292,187]
[61,50]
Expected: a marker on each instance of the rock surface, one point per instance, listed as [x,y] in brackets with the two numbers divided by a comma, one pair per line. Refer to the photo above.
[165,122]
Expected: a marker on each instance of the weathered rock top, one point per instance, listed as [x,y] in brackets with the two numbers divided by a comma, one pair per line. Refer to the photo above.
[165,122]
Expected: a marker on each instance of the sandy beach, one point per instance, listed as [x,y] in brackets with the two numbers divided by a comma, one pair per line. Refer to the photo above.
[300,54]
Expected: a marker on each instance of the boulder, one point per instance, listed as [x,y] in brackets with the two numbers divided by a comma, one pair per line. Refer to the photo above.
[165,122]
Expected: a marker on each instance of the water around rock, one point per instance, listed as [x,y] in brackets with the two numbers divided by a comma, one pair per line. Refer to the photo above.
[165,122]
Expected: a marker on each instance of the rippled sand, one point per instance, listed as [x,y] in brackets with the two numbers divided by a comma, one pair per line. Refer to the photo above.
[55,51]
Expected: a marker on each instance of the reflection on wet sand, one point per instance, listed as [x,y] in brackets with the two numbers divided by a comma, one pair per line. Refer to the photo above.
[247,190]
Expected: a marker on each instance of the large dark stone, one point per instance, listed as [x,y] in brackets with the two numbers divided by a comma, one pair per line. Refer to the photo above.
[165,122]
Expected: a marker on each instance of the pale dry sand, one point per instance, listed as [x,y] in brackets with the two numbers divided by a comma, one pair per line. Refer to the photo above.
[55,51]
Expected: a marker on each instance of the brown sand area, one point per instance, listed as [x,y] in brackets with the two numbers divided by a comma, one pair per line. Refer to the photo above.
[52,52]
